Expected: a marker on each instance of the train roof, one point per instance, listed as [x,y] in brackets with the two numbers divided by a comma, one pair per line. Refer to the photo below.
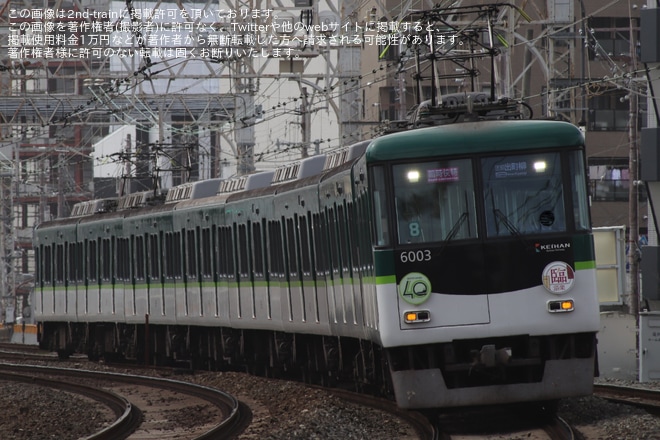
[339,157]
[139,200]
[474,137]
[301,169]
[193,190]
[247,182]
[96,206]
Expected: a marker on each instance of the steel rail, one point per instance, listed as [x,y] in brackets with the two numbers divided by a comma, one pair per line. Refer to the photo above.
[237,415]
[128,416]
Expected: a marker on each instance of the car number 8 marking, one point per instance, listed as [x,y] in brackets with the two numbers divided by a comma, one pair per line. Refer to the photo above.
[414,256]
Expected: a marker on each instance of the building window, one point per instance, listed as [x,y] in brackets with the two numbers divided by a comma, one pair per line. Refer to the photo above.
[610,111]
[611,37]
[609,180]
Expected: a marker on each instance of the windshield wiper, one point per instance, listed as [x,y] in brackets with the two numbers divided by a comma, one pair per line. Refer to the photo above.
[499,215]
[454,229]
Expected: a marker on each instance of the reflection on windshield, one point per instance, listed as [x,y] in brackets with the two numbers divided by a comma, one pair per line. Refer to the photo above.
[523,194]
[435,201]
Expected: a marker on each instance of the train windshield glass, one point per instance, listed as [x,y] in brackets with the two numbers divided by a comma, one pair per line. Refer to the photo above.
[580,198]
[523,194]
[435,201]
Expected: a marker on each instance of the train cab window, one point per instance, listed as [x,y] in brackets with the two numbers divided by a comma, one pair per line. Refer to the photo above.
[523,194]
[381,224]
[579,191]
[434,201]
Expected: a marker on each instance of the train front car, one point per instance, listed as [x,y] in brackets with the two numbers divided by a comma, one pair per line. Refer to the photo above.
[484,259]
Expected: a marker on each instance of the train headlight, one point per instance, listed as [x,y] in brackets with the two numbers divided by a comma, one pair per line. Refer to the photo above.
[559,306]
[417,316]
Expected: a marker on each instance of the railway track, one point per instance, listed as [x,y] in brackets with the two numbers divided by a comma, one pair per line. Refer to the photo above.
[235,415]
[509,421]
[443,425]
[647,399]
[418,421]
[128,417]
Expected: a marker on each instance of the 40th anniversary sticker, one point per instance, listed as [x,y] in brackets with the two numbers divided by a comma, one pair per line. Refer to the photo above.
[414,288]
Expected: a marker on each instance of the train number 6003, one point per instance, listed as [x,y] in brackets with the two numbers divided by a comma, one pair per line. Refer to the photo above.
[414,256]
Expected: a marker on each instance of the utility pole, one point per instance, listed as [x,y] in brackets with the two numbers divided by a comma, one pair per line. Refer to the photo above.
[7,287]
[305,124]
[633,167]
[60,186]
[126,179]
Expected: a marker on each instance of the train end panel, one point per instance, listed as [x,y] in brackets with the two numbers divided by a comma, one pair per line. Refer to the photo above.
[415,389]
[483,372]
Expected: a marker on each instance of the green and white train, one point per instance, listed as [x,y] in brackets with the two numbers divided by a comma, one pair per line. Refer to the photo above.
[448,266]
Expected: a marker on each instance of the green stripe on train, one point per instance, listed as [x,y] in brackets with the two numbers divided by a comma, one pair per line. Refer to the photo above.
[584,265]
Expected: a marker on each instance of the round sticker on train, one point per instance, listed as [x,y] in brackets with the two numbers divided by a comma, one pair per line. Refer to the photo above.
[558,277]
[415,288]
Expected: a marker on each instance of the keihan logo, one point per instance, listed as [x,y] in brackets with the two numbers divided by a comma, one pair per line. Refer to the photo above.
[414,288]
[552,247]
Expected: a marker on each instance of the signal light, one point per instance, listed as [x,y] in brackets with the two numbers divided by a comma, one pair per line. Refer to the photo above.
[564,305]
[417,316]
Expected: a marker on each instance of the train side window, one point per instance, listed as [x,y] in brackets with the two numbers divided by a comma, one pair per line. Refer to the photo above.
[106,256]
[276,263]
[73,265]
[320,244]
[191,254]
[363,233]
[38,269]
[167,267]
[257,250]
[139,258]
[343,238]
[220,265]
[119,268]
[177,269]
[333,249]
[123,261]
[92,261]
[381,222]
[59,263]
[291,247]
[242,249]
[305,254]
[206,263]
[48,265]
[225,252]
[80,261]
[154,257]
[353,239]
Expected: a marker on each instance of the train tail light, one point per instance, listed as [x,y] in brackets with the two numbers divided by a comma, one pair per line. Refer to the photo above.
[416,316]
[559,306]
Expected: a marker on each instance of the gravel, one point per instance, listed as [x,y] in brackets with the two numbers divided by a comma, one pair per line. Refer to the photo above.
[30,412]
[284,410]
